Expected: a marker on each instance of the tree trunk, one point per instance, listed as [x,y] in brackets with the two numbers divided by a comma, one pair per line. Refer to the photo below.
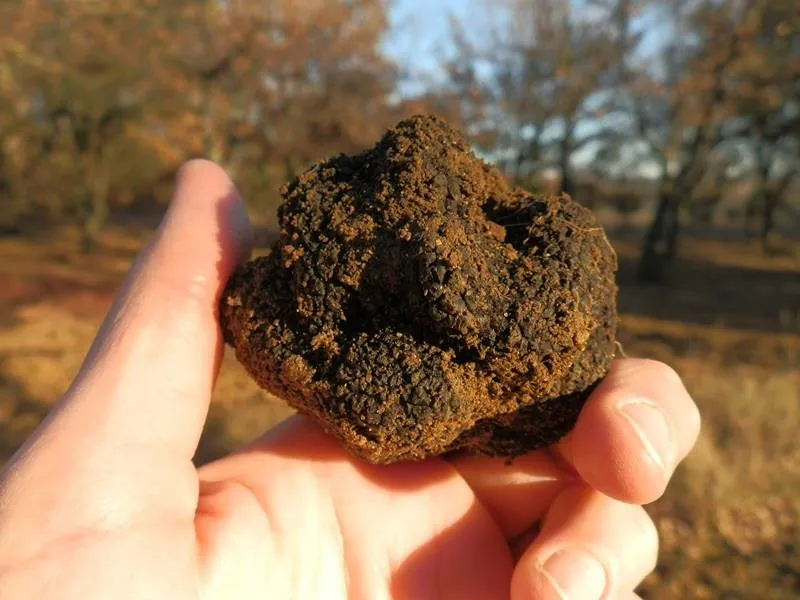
[567,185]
[288,167]
[528,154]
[96,214]
[768,219]
[750,217]
[761,199]
[772,196]
[660,243]
[91,225]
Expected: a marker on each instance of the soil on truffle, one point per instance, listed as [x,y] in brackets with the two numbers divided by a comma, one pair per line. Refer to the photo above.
[416,303]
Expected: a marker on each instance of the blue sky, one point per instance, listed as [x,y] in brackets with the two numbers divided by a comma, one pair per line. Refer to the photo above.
[420,30]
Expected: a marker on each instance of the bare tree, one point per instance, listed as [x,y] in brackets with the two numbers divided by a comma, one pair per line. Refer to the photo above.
[549,70]
[685,119]
[767,98]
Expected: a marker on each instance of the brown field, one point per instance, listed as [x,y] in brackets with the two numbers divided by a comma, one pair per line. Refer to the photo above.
[729,322]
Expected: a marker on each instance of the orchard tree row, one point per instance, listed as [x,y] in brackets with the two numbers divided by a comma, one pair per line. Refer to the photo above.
[100,102]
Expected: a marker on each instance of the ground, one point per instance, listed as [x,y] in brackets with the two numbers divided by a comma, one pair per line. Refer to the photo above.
[729,322]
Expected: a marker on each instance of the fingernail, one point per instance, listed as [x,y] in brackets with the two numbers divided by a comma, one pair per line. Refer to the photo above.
[576,575]
[650,426]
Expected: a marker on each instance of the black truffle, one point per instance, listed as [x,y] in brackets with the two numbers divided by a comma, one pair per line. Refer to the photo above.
[416,303]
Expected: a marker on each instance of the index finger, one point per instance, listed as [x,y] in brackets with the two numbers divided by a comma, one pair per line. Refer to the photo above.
[634,430]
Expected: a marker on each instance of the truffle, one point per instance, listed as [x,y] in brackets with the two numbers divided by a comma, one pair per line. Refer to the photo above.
[416,303]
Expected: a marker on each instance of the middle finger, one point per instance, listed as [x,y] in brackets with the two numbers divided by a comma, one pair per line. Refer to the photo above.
[517,495]
[590,547]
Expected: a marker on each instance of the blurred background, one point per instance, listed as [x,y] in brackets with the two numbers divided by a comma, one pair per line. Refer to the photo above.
[676,121]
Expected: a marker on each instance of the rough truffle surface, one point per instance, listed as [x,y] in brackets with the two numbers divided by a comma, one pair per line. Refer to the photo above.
[415,303]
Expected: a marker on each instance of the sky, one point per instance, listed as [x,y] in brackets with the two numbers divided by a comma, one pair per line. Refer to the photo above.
[420,31]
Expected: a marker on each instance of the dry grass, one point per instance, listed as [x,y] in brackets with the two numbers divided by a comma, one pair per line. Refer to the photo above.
[730,523]
[730,323]
[50,308]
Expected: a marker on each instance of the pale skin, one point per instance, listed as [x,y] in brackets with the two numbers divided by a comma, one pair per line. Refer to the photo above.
[103,500]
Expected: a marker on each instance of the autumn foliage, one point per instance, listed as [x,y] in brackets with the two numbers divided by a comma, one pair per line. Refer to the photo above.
[102,101]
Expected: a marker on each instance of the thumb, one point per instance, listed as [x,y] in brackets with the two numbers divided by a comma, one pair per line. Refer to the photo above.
[123,435]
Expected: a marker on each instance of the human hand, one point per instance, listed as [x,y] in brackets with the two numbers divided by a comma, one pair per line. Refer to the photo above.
[103,500]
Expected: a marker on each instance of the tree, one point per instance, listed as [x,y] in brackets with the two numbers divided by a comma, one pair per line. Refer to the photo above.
[116,95]
[685,118]
[85,77]
[767,100]
[715,98]
[549,71]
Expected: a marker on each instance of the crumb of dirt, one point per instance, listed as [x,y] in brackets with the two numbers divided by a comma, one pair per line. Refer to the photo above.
[416,303]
